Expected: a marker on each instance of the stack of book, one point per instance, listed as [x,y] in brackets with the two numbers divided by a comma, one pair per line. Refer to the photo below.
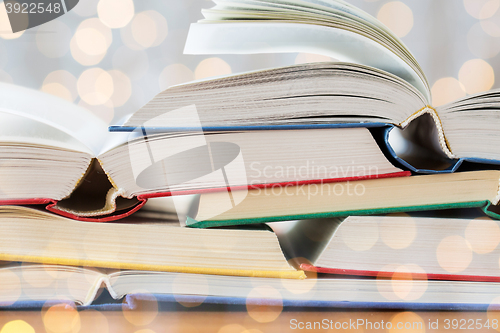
[311,144]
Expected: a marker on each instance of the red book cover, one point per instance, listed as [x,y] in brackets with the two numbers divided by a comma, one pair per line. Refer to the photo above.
[398,275]
[51,205]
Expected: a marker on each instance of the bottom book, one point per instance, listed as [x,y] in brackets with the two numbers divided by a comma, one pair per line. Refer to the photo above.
[34,284]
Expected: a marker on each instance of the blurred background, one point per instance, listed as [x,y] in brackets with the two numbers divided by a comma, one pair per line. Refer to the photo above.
[113,56]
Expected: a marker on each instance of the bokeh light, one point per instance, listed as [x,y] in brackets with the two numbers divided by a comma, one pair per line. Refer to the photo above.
[115,13]
[95,86]
[17,326]
[175,74]
[412,323]
[212,67]
[93,321]
[489,9]
[82,57]
[483,235]
[5,28]
[61,318]
[454,254]
[481,44]
[408,282]
[122,88]
[491,25]
[61,83]
[147,29]
[446,90]
[481,9]
[57,89]
[384,285]
[397,16]
[476,76]
[90,42]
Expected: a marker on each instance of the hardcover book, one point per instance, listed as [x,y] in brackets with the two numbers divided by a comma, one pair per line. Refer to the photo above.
[383,82]
[62,156]
[80,285]
[401,246]
[140,243]
[362,197]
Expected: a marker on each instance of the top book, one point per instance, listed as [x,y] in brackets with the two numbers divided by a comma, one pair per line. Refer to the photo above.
[382,84]
[330,27]
[60,155]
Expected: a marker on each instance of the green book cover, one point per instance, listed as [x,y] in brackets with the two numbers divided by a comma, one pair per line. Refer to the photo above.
[485,205]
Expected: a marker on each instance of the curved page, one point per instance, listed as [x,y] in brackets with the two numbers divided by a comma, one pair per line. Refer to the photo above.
[247,38]
[18,129]
[56,112]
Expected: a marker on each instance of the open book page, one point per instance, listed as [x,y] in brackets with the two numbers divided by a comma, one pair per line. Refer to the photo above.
[340,92]
[471,126]
[18,129]
[23,283]
[321,12]
[320,289]
[330,28]
[246,38]
[55,112]
[81,285]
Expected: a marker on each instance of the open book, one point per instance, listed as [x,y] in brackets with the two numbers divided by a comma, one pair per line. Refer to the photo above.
[381,84]
[401,245]
[80,285]
[53,152]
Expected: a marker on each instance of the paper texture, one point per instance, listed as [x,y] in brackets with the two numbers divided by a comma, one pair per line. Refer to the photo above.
[257,37]
[56,112]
